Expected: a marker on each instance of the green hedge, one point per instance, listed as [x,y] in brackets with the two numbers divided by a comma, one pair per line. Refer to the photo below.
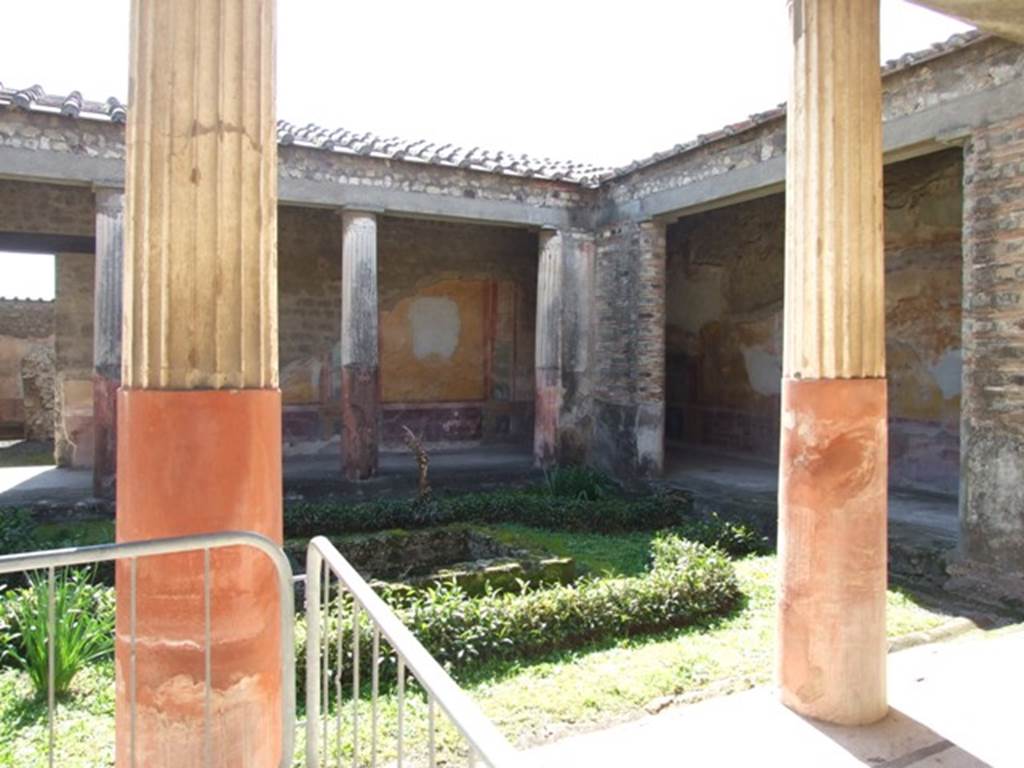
[530,508]
[609,515]
[526,507]
[687,583]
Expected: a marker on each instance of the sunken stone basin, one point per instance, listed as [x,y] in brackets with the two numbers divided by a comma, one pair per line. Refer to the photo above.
[441,555]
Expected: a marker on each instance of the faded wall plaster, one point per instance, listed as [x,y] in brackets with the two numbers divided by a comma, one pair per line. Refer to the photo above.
[432,276]
[432,344]
[724,323]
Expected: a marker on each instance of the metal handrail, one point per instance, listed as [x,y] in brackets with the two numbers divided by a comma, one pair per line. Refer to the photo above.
[131,551]
[482,736]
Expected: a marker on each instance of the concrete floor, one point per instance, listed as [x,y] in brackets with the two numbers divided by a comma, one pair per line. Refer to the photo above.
[313,475]
[955,705]
[734,478]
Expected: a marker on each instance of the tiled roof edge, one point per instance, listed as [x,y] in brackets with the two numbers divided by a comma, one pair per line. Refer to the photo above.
[957,42]
[449,155]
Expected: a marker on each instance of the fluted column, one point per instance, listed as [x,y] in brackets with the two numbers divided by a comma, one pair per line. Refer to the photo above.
[360,373]
[548,348]
[199,412]
[833,473]
[107,335]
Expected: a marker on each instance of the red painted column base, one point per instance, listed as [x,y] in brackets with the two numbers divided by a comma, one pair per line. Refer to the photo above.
[197,462]
[360,417]
[104,410]
[832,549]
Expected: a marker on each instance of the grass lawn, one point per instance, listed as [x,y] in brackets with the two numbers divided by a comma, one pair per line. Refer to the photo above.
[530,703]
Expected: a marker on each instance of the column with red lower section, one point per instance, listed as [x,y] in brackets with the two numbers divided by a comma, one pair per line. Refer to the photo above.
[833,461]
[548,346]
[107,318]
[360,372]
[198,462]
[199,414]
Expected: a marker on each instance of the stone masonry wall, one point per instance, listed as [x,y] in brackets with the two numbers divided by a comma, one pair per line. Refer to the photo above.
[724,326]
[629,362]
[73,433]
[26,334]
[97,140]
[309,326]
[992,494]
[979,67]
[456,346]
[52,209]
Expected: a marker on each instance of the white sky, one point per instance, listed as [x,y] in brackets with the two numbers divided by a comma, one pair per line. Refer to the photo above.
[601,82]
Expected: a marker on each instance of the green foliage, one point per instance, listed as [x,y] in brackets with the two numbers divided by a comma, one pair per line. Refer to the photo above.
[17,531]
[696,583]
[688,583]
[578,482]
[609,515]
[598,554]
[524,507]
[735,537]
[83,632]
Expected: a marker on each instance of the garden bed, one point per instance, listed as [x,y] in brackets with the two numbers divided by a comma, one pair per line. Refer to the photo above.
[646,572]
[458,554]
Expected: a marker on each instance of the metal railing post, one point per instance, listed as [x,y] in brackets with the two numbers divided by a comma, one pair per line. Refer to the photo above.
[132,551]
[314,564]
[485,741]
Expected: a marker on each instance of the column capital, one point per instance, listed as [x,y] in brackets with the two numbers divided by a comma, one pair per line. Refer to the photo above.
[109,199]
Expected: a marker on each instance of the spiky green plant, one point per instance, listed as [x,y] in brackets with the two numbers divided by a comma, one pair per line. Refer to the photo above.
[83,630]
[578,482]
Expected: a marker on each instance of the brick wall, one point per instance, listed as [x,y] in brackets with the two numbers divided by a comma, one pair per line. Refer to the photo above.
[26,318]
[629,344]
[992,495]
[53,209]
[73,434]
[26,333]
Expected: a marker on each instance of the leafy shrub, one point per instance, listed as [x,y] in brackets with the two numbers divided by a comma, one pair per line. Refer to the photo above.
[578,482]
[736,537]
[83,632]
[17,531]
[687,583]
[694,583]
[539,510]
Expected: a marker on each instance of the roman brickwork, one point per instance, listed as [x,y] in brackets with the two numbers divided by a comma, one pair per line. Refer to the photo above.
[74,429]
[629,363]
[992,474]
[724,323]
[48,209]
[26,368]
